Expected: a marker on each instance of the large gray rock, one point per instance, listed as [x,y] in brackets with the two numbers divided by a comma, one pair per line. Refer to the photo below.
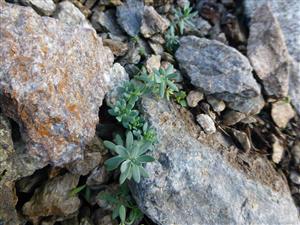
[129,16]
[199,179]
[268,53]
[52,82]
[221,71]
[288,14]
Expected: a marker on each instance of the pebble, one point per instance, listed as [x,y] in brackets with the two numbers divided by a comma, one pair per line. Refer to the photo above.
[193,98]
[281,113]
[295,177]
[206,123]
[296,152]
[216,104]
[153,63]
[278,150]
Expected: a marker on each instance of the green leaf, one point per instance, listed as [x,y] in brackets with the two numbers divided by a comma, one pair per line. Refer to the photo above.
[114,162]
[115,213]
[129,140]
[76,190]
[172,85]
[145,159]
[136,173]
[124,175]
[122,151]
[109,145]
[122,213]
[124,166]
[144,147]
[162,89]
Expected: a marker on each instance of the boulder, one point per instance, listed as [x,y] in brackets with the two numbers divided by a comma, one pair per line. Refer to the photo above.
[268,53]
[202,179]
[287,13]
[221,71]
[53,78]
[129,16]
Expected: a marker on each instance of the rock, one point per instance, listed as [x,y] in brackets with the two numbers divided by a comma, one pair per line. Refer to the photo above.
[217,105]
[230,80]
[198,180]
[153,63]
[278,150]
[93,156]
[8,212]
[118,77]
[158,49]
[193,98]
[68,13]
[98,176]
[44,7]
[242,138]
[232,117]
[107,22]
[206,122]
[287,13]
[129,16]
[200,29]
[62,95]
[118,48]
[281,113]
[296,152]
[295,177]
[153,23]
[53,198]
[232,28]
[268,53]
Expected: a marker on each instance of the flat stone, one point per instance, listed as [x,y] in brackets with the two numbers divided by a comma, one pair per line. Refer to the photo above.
[197,178]
[193,98]
[68,13]
[281,113]
[53,198]
[230,80]
[268,53]
[55,75]
[118,48]
[153,22]
[206,122]
[129,16]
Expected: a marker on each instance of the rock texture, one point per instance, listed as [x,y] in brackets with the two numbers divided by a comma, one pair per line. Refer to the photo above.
[198,180]
[282,112]
[129,16]
[44,7]
[53,198]
[221,71]
[153,23]
[287,13]
[268,53]
[52,82]
[68,13]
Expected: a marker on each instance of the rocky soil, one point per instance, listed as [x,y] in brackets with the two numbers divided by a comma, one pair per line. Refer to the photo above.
[226,123]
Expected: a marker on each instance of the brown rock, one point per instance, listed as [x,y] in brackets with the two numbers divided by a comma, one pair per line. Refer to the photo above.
[153,23]
[52,80]
[8,198]
[268,53]
[53,198]
[153,63]
[193,98]
[118,48]
[281,113]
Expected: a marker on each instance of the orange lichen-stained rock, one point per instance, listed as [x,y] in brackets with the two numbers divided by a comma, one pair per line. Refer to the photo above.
[53,78]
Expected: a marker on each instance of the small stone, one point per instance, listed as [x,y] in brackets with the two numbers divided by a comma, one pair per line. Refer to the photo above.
[206,123]
[153,63]
[107,22]
[296,152]
[158,49]
[295,177]
[217,105]
[193,98]
[93,156]
[153,23]
[44,7]
[129,16]
[232,117]
[243,139]
[282,112]
[98,176]
[68,13]
[232,29]
[230,80]
[53,198]
[278,150]
[201,27]
[118,48]
[268,53]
